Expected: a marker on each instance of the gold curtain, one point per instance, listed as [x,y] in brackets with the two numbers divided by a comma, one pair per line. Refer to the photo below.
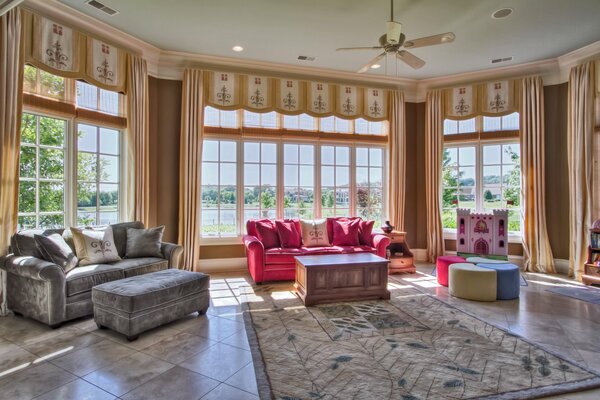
[11,88]
[536,246]
[396,186]
[138,185]
[580,131]
[190,160]
[434,150]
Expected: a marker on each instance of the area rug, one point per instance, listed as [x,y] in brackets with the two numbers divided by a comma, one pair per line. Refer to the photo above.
[522,280]
[589,294]
[411,347]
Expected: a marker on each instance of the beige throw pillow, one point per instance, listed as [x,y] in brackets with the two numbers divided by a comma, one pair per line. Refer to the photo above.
[95,247]
[314,233]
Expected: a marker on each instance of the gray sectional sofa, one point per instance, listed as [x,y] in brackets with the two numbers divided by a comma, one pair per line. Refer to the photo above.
[41,290]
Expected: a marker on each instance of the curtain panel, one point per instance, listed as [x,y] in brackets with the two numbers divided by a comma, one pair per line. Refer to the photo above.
[491,99]
[397,170]
[61,50]
[231,91]
[536,245]
[581,121]
[138,130]
[434,150]
[190,160]
[11,87]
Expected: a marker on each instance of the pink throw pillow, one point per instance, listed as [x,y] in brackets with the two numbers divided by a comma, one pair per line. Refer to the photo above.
[288,234]
[267,233]
[365,233]
[330,221]
[345,233]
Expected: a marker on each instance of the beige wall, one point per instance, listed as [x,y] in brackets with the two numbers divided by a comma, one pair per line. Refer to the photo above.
[165,113]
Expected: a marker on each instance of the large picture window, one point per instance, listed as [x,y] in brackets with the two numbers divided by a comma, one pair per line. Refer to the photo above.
[369,182]
[298,179]
[335,181]
[260,180]
[42,172]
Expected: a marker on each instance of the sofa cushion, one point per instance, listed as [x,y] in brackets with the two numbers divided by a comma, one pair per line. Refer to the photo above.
[139,266]
[267,233]
[345,233]
[53,248]
[330,225]
[120,235]
[354,249]
[289,236]
[144,242]
[282,255]
[365,233]
[82,279]
[22,243]
[95,246]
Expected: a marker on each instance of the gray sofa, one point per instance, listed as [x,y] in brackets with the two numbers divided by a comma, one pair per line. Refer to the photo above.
[41,290]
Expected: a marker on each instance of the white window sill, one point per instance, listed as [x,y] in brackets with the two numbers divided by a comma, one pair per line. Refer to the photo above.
[220,241]
[450,234]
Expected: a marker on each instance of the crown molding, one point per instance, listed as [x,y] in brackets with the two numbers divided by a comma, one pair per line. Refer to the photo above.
[166,64]
[95,27]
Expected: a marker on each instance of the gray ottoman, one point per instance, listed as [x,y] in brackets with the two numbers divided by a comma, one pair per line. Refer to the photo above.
[134,305]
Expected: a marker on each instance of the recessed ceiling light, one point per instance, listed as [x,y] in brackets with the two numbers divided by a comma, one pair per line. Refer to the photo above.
[375,66]
[502,13]
[237,48]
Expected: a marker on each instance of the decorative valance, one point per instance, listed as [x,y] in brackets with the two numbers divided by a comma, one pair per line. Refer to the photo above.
[493,99]
[63,51]
[229,91]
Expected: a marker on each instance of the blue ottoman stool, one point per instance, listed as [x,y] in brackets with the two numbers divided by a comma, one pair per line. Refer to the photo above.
[509,280]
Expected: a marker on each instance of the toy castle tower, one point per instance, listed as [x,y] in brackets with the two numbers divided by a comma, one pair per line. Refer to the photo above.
[480,233]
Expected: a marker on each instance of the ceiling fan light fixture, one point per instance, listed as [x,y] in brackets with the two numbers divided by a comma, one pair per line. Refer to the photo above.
[237,48]
[375,66]
[393,29]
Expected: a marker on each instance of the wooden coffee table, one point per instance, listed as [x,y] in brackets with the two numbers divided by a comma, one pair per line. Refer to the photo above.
[336,277]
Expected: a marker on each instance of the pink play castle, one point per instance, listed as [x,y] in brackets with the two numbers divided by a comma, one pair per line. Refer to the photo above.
[480,233]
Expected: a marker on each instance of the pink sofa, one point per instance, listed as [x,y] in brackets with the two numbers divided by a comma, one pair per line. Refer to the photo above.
[277,264]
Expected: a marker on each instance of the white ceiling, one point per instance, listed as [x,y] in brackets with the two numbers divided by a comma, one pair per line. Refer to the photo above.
[281,30]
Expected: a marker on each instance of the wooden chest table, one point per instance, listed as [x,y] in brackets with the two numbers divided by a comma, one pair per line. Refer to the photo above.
[337,277]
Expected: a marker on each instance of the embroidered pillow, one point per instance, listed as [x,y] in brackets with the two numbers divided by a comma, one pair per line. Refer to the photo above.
[95,247]
[267,233]
[288,234]
[365,233]
[144,242]
[54,248]
[345,233]
[314,233]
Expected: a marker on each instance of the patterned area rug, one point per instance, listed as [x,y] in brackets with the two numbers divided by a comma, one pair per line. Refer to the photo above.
[589,294]
[411,347]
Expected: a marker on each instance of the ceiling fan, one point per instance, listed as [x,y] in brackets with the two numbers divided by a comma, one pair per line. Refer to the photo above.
[393,40]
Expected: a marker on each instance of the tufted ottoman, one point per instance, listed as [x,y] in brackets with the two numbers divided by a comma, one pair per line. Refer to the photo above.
[442,264]
[508,280]
[471,282]
[134,305]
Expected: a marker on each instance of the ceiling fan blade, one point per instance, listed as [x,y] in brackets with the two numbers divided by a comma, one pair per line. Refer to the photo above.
[373,61]
[409,58]
[359,48]
[442,38]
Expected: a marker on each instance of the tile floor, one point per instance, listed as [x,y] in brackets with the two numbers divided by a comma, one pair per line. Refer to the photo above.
[208,357]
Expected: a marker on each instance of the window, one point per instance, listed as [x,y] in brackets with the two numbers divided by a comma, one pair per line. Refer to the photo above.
[298,180]
[303,122]
[43,83]
[506,123]
[219,188]
[265,120]
[363,126]
[335,180]
[459,187]
[335,124]
[482,124]
[502,181]
[98,178]
[492,183]
[220,118]
[94,98]
[260,180]
[42,172]
[369,182]
[452,127]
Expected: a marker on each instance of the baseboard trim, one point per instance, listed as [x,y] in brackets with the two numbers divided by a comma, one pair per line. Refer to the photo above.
[561,266]
[235,264]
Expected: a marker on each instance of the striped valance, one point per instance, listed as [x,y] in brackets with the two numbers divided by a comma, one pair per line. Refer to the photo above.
[228,91]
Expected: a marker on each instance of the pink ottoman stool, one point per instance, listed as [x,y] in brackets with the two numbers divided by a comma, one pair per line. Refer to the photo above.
[442,264]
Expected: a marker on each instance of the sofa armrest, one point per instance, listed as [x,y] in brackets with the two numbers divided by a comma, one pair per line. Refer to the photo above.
[171,253]
[33,268]
[381,243]
[255,255]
